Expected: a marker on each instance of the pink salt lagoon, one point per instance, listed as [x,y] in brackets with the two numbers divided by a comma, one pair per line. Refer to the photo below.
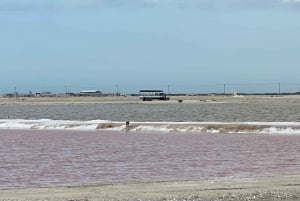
[50,158]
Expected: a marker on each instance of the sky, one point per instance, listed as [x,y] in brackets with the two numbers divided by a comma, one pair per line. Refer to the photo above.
[127,45]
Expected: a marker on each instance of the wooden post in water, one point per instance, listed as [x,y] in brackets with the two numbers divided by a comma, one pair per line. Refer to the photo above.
[127,126]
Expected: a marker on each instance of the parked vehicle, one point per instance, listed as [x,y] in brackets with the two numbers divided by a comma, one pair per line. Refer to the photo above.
[149,95]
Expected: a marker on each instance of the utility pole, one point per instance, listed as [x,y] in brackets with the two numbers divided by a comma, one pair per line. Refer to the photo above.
[279,88]
[15,92]
[117,94]
[224,89]
[66,90]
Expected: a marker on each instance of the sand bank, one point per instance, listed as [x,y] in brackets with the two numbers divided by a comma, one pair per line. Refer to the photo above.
[135,99]
[267,188]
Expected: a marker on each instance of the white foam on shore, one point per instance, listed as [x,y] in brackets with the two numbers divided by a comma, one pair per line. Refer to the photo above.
[49,124]
[283,128]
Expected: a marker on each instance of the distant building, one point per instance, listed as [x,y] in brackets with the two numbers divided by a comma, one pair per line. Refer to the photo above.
[11,95]
[90,93]
[44,94]
[64,94]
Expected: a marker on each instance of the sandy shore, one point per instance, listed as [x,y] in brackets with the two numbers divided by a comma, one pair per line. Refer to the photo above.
[267,189]
[135,99]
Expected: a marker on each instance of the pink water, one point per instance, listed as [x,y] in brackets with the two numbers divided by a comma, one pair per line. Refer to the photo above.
[42,158]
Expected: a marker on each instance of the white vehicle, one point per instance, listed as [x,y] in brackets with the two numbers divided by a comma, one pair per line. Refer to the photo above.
[149,95]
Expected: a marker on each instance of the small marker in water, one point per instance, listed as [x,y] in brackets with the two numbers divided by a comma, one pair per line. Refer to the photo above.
[127,126]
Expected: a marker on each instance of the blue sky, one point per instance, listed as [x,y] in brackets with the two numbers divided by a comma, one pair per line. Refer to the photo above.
[190,45]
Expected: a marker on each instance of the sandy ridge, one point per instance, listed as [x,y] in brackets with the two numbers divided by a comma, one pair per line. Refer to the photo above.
[135,99]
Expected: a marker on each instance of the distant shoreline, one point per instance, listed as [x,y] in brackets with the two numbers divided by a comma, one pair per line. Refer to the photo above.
[135,99]
[50,94]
